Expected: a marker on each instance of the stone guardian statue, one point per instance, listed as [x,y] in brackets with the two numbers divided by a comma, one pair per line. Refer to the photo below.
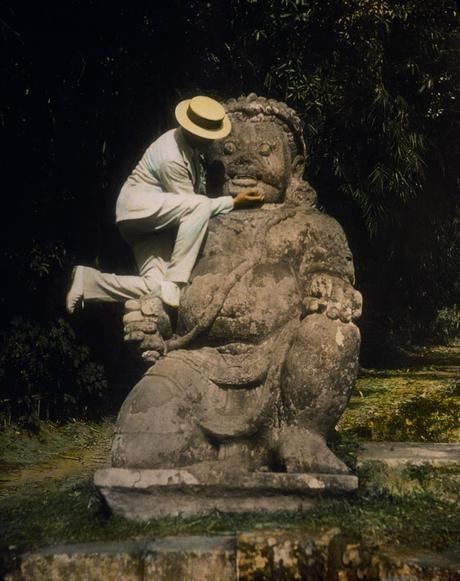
[265,352]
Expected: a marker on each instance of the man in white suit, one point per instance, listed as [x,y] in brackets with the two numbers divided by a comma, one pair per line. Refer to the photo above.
[163,192]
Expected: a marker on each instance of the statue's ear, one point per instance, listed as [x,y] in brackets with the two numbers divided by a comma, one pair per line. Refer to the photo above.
[298,167]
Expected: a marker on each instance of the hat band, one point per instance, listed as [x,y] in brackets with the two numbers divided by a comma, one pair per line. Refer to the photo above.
[211,124]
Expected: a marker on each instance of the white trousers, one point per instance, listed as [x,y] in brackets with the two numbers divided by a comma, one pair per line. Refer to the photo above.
[158,258]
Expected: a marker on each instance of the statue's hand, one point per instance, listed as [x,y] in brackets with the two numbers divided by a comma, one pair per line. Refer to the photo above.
[334,297]
[146,325]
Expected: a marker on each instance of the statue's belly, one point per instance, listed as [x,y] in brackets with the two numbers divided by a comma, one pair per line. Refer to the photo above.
[261,301]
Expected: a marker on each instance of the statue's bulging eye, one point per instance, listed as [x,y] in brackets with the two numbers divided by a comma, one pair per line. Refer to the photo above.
[229,147]
[265,149]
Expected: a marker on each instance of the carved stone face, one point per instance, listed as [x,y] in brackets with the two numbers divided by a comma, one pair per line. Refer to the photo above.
[255,156]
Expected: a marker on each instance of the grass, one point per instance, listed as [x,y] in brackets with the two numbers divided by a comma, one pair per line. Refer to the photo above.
[391,508]
[404,406]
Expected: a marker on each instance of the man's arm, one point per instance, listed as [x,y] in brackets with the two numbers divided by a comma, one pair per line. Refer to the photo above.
[225,204]
[174,178]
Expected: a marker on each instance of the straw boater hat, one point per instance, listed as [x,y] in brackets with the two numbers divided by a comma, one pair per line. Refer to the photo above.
[204,117]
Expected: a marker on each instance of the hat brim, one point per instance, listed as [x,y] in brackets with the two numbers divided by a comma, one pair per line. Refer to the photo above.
[184,121]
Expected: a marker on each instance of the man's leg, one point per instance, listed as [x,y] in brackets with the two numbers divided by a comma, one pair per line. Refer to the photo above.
[107,287]
[193,214]
[190,214]
[152,253]
[146,236]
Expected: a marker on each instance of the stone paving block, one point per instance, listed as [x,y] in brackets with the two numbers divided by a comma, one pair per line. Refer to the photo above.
[396,454]
[301,555]
[418,566]
[85,562]
[278,555]
[191,559]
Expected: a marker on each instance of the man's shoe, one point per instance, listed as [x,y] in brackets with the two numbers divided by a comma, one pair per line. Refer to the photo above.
[75,295]
[170,293]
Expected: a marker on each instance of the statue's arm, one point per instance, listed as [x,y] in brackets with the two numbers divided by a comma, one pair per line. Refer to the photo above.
[146,326]
[332,295]
[326,273]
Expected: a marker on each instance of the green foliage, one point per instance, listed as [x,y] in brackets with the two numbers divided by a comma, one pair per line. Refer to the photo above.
[401,407]
[43,258]
[374,81]
[421,418]
[377,85]
[446,326]
[44,371]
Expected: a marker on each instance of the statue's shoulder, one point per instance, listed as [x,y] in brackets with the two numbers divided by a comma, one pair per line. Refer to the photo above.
[303,231]
[306,220]
[315,218]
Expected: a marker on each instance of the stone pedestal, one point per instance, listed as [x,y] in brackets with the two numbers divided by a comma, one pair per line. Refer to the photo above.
[143,495]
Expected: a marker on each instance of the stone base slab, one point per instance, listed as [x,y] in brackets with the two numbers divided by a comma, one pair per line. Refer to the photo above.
[144,495]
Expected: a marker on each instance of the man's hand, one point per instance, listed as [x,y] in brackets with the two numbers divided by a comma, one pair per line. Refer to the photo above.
[247,198]
[334,297]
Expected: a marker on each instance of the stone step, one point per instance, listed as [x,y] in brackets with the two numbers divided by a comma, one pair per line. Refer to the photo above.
[240,557]
[395,454]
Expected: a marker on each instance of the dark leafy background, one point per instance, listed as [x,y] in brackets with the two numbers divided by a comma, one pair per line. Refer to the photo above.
[87,85]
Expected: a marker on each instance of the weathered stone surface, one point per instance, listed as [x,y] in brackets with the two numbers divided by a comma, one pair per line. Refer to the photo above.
[396,454]
[297,555]
[167,559]
[266,351]
[269,555]
[191,558]
[92,561]
[418,565]
[148,494]
[276,555]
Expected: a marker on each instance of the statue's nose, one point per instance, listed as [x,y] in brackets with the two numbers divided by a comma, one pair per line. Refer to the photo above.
[244,165]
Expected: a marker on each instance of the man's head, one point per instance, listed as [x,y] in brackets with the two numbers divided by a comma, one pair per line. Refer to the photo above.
[265,150]
[201,144]
[203,120]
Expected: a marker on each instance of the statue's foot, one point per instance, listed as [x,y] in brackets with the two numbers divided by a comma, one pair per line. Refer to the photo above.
[302,450]
[233,458]
[222,470]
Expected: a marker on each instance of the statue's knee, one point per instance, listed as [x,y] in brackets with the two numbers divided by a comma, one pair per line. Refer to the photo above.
[153,406]
[316,331]
[155,427]
[324,352]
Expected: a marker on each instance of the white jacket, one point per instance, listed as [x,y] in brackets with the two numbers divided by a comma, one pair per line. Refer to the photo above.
[169,165]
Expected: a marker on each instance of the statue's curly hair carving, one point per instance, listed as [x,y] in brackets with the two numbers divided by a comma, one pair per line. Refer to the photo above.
[254,106]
